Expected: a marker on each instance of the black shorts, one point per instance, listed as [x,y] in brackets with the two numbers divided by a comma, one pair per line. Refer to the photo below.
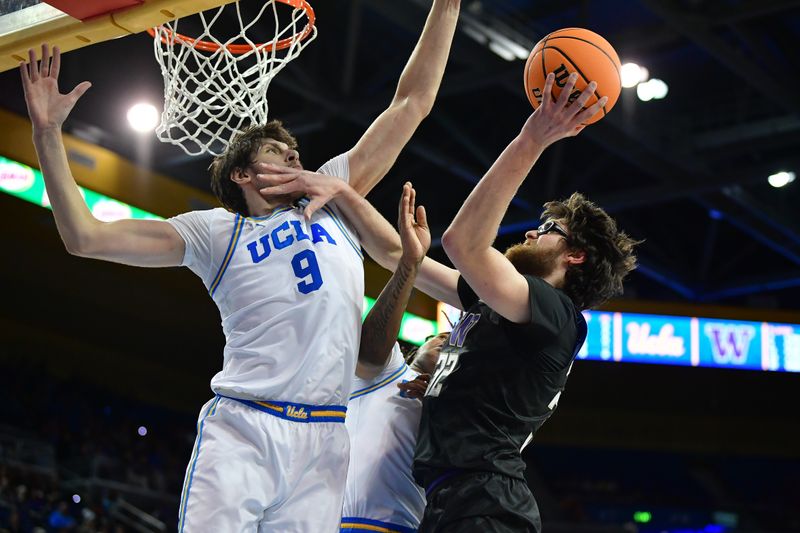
[483,502]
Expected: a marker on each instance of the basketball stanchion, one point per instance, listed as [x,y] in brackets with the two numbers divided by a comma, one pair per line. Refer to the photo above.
[215,86]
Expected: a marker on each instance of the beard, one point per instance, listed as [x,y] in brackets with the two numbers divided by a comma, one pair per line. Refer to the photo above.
[533,261]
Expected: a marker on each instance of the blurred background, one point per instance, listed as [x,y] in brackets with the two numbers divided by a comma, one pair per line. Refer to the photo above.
[682,414]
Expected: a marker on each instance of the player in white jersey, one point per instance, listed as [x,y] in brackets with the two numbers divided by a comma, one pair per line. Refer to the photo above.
[271,444]
[382,422]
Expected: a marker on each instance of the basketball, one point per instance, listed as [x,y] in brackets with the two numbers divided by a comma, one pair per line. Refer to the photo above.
[574,50]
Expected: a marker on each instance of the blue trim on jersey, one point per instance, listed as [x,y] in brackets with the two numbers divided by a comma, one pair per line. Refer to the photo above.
[238,224]
[343,230]
[193,462]
[372,388]
[298,412]
[352,524]
[273,214]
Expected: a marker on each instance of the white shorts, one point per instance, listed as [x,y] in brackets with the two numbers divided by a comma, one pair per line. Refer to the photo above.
[252,471]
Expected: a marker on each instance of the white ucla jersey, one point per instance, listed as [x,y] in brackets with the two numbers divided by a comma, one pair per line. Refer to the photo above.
[383,425]
[290,294]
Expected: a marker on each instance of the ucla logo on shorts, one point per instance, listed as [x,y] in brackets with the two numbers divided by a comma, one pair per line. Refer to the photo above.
[296,412]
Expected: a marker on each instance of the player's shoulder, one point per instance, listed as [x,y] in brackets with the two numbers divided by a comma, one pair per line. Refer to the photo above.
[215,213]
[219,217]
[338,166]
[542,290]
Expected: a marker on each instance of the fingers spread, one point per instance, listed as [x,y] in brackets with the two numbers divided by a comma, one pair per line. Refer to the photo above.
[78,91]
[277,190]
[55,67]
[566,91]
[547,92]
[587,114]
[587,93]
[34,72]
[271,168]
[23,72]
[44,65]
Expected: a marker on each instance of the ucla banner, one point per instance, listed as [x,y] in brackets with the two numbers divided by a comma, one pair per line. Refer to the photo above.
[691,341]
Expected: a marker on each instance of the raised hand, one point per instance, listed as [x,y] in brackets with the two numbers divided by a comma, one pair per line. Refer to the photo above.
[556,120]
[47,107]
[281,181]
[415,236]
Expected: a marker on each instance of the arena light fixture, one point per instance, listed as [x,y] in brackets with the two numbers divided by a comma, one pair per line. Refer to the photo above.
[659,88]
[653,89]
[781,179]
[633,74]
[143,117]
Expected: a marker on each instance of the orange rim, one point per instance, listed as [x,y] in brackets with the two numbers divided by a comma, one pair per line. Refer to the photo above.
[238,49]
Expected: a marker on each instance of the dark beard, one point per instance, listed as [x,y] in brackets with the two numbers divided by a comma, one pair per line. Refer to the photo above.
[531,261]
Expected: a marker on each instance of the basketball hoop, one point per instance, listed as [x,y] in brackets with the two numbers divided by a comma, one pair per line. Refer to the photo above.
[214,86]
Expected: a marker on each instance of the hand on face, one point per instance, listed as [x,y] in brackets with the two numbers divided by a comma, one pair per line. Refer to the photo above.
[415,236]
[277,180]
[553,121]
[47,107]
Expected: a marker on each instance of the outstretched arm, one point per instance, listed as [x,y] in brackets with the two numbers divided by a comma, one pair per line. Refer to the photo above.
[378,148]
[468,240]
[377,235]
[382,324]
[133,242]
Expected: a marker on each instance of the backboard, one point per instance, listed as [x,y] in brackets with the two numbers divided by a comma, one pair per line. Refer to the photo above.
[73,24]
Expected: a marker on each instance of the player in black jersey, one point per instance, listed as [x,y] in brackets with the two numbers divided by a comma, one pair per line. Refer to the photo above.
[505,364]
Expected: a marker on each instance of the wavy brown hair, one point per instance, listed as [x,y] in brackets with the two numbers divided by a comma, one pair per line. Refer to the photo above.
[238,156]
[609,251]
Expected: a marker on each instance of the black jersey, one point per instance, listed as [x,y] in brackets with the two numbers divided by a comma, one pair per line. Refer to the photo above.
[495,383]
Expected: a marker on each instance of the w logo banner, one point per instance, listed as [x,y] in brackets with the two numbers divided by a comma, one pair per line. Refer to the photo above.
[730,343]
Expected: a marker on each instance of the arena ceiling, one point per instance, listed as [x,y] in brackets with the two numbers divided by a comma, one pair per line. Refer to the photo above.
[686,173]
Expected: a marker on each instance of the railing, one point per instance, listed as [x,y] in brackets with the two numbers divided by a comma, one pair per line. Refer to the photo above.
[25,451]
[135,518]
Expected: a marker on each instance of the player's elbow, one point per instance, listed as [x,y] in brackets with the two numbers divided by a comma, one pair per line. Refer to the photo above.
[454,244]
[415,105]
[82,244]
[79,249]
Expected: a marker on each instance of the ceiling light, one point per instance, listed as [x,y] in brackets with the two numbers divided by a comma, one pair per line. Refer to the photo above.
[659,88]
[779,179]
[652,90]
[632,74]
[143,117]
[501,50]
[644,92]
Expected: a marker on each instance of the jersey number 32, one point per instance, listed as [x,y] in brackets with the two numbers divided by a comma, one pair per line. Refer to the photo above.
[444,367]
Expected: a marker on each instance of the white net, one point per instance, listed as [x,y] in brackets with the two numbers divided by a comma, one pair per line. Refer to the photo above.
[215,86]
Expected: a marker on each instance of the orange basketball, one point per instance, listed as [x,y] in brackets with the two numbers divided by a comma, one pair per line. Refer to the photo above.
[574,50]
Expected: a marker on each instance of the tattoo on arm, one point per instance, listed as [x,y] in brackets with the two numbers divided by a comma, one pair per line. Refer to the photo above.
[382,325]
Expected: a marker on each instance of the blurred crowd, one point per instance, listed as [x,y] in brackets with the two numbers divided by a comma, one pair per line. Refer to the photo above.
[73,457]
[70,451]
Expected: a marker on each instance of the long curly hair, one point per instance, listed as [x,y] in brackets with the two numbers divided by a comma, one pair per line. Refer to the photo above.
[609,251]
[238,156]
